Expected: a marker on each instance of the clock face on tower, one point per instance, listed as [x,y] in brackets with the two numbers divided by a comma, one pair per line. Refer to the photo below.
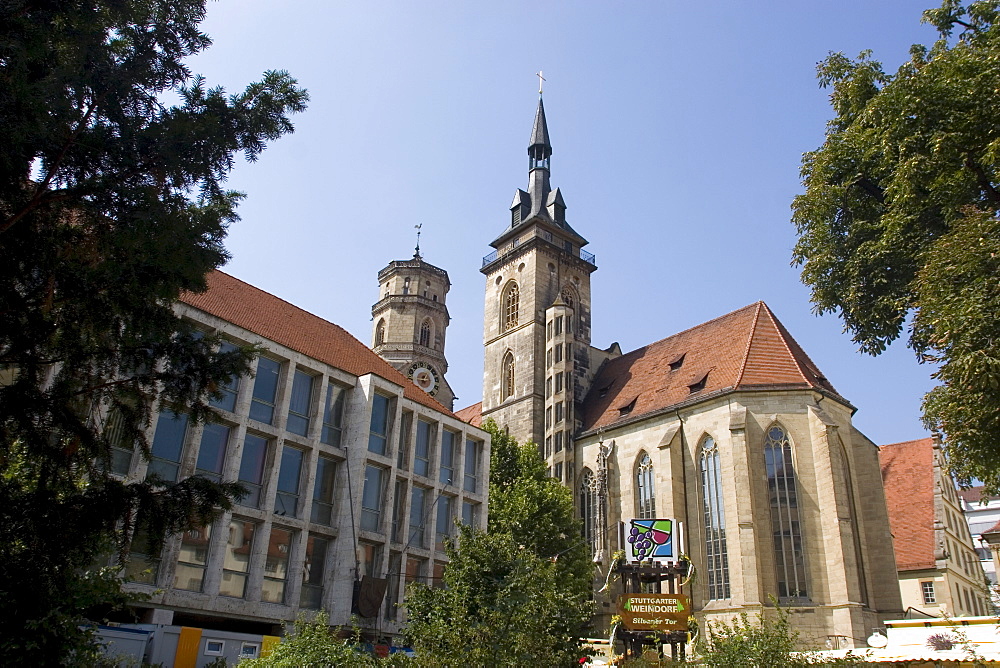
[425,377]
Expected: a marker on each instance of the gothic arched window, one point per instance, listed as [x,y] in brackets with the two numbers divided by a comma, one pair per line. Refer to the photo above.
[786,523]
[508,307]
[380,333]
[716,554]
[645,490]
[588,508]
[507,376]
[425,333]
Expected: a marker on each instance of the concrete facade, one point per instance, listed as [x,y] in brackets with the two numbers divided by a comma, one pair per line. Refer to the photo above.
[369,491]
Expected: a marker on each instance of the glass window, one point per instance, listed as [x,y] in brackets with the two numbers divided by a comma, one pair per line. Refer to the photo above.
[559,382]
[559,412]
[548,387]
[548,447]
[548,417]
[371,498]
[265,390]
[558,471]
[392,590]
[380,332]
[558,352]
[789,554]
[470,513]
[403,451]
[446,474]
[286,501]
[418,498]
[252,468]
[313,571]
[236,563]
[472,450]
[333,414]
[168,441]
[379,435]
[507,377]
[276,566]
[229,389]
[509,307]
[298,404]
[326,478]
[143,564]
[645,489]
[212,451]
[425,333]
[422,452]
[398,502]
[121,446]
[559,322]
[370,563]
[713,511]
[416,569]
[192,559]
[445,520]
[559,441]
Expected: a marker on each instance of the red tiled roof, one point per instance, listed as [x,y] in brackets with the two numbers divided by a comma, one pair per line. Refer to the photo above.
[974,495]
[908,476]
[744,350]
[994,529]
[276,320]
[472,414]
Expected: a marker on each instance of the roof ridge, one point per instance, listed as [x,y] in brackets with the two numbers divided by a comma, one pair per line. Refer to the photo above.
[746,351]
[689,329]
[782,332]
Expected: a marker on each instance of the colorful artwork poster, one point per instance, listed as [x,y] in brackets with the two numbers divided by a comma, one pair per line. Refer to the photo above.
[651,540]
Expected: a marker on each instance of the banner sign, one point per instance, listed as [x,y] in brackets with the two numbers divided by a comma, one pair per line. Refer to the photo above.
[654,612]
[651,540]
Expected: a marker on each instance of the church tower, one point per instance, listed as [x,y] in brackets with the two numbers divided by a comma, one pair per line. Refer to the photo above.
[537,324]
[409,323]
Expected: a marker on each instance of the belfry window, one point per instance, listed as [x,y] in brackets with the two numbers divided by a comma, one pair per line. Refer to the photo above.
[380,333]
[509,307]
[507,376]
[589,508]
[716,553]
[786,527]
[645,488]
[425,333]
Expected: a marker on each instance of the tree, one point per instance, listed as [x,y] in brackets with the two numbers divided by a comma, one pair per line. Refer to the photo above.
[111,205]
[899,219]
[519,593]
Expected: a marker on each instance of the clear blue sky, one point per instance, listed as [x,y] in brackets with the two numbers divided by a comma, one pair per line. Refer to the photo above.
[677,128]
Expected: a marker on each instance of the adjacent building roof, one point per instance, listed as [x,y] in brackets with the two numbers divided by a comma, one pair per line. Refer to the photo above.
[748,349]
[908,476]
[275,319]
[472,414]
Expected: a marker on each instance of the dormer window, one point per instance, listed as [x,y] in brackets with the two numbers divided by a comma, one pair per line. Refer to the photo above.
[677,362]
[698,385]
[627,408]
[603,392]
[515,216]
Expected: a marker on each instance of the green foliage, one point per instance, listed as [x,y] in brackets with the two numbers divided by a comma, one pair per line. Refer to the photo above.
[312,643]
[907,176]
[518,594]
[111,204]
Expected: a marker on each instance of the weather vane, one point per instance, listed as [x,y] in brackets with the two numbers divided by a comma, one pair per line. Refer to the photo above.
[417,228]
[541,79]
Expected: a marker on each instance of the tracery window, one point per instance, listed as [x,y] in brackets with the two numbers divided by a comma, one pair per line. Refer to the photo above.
[588,508]
[786,530]
[380,333]
[509,307]
[645,489]
[716,553]
[425,333]
[507,376]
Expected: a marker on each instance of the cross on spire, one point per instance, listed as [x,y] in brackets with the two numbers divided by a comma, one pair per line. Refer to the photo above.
[541,80]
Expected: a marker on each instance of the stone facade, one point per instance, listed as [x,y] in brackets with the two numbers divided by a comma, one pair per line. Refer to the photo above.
[410,321]
[797,511]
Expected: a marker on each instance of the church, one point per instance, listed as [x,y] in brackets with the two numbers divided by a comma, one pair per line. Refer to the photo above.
[728,426]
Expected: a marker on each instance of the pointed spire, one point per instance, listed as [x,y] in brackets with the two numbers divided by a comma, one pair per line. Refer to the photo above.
[540,130]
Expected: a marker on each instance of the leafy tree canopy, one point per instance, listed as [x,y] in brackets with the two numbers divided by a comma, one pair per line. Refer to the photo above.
[111,204]
[519,593]
[899,219]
